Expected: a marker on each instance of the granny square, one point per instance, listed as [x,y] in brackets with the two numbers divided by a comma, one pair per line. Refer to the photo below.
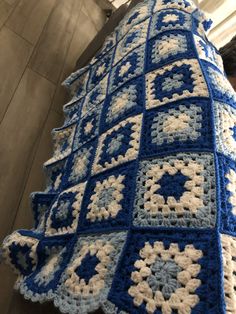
[178,80]
[225,123]
[134,38]
[135,16]
[72,111]
[227,194]
[19,249]
[221,88]
[168,47]
[81,162]
[41,203]
[177,190]
[100,69]
[118,145]
[179,126]
[77,82]
[129,67]
[167,272]
[88,127]
[138,215]
[62,143]
[108,199]
[53,258]
[126,101]
[54,174]
[64,213]
[95,96]
[169,20]
[87,279]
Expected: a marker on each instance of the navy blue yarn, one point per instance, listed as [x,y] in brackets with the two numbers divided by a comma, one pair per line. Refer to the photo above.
[92,117]
[178,24]
[179,70]
[51,243]
[94,78]
[25,251]
[124,131]
[39,201]
[134,57]
[133,17]
[172,185]
[86,270]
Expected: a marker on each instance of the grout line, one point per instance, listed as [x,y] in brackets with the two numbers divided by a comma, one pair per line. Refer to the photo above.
[28,42]
[29,60]
[27,173]
[14,92]
[13,10]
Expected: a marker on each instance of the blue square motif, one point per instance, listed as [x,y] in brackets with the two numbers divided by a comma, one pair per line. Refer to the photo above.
[95,96]
[167,271]
[100,69]
[124,102]
[90,272]
[54,173]
[227,194]
[72,111]
[62,142]
[129,67]
[118,145]
[80,163]
[108,200]
[179,80]
[64,213]
[134,38]
[168,47]
[21,247]
[88,127]
[176,127]
[169,20]
[135,16]
[176,191]
[41,203]
[53,258]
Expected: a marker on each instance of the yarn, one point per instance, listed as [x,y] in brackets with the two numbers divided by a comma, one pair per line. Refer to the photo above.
[139,210]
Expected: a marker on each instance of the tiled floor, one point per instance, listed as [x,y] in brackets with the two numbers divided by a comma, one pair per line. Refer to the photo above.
[40,41]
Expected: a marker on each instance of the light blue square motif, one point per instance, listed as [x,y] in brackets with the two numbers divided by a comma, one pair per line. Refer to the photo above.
[176,190]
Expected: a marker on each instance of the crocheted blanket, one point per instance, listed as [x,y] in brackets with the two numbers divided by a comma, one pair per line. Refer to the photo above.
[140,207]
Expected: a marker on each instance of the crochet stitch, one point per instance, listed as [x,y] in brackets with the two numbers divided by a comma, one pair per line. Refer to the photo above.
[139,210]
